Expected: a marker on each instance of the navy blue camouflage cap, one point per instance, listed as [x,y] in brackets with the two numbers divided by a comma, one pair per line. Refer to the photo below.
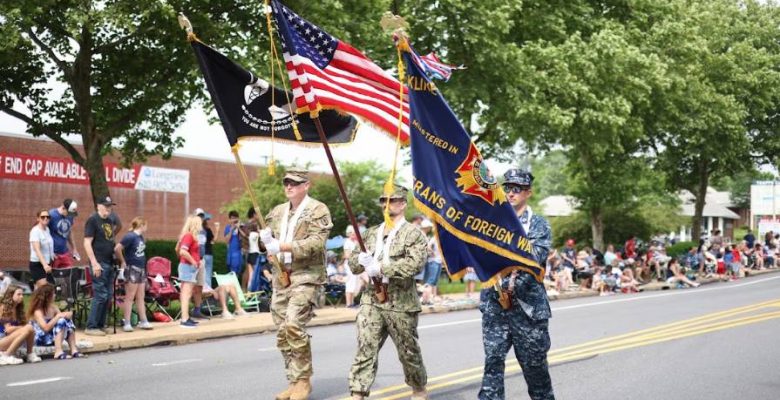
[517,176]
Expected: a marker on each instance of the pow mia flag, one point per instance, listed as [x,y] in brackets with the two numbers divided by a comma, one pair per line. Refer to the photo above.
[243,102]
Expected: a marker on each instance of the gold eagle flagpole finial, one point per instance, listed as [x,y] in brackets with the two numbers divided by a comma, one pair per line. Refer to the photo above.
[185,24]
[396,26]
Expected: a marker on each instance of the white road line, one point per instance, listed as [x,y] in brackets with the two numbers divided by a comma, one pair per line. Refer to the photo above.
[601,303]
[267,349]
[165,364]
[38,381]
[667,294]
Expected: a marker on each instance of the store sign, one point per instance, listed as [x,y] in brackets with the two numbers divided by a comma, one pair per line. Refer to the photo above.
[63,170]
[163,180]
[766,224]
[765,198]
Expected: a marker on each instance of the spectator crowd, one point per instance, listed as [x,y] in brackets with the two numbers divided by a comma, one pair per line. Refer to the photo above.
[122,264]
[625,269]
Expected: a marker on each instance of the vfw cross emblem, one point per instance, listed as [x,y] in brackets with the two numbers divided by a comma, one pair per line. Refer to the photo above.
[475,179]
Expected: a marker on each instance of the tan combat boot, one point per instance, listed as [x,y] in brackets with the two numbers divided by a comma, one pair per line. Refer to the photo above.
[419,394]
[301,390]
[285,395]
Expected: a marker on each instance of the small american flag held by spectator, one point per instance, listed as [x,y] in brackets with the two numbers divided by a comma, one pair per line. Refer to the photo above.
[326,73]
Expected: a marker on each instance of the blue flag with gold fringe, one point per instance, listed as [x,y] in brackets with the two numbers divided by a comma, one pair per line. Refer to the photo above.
[475,225]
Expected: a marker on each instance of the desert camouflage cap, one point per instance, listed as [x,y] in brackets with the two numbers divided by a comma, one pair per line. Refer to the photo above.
[399,192]
[297,174]
[518,177]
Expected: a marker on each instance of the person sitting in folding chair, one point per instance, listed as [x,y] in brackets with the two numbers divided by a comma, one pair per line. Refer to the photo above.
[221,293]
[249,300]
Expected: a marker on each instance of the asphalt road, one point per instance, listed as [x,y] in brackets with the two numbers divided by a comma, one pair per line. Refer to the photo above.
[714,342]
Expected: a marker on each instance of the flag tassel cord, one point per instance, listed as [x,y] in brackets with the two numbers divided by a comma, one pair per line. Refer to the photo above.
[272,161]
[275,57]
[388,189]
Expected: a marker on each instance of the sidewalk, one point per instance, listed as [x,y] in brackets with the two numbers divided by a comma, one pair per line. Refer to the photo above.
[171,333]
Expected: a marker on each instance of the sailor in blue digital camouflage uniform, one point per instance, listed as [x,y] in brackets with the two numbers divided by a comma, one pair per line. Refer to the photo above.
[524,324]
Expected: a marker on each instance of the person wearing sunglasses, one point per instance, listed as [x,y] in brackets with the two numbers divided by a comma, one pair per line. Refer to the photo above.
[296,233]
[524,325]
[41,250]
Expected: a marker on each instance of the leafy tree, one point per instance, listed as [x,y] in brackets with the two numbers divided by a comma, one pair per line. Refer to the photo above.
[120,74]
[588,95]
[550,176]
[363,183]
[738,185]
[719,114]
[650,211]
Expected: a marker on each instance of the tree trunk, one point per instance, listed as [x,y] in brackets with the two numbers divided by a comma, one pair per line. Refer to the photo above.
[701,198]
[97,174]
[92,139]
[597,229]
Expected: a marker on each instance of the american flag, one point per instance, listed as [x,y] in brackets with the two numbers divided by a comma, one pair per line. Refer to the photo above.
[433,67]
[328,73]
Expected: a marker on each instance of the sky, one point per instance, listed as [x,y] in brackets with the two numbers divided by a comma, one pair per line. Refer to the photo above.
[209,141]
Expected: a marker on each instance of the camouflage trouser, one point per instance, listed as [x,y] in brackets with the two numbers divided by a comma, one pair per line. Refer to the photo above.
[291,310]
[373,326]
[531,341]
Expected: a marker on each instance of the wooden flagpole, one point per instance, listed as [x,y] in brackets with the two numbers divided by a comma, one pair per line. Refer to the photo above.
[379,288]
[284,275]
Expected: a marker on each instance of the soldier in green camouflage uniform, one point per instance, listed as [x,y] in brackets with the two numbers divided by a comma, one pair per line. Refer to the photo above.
[398,255]
[296,234]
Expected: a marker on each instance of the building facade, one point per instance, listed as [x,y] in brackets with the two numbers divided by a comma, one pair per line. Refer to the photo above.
[37,173]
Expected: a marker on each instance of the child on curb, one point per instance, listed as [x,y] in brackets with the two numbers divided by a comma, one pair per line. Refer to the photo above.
[14,329]
[51,325]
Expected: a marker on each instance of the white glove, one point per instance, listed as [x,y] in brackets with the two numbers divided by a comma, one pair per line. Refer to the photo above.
[370,264]
[266,236]
[272,247]
[365,259]
[374,269]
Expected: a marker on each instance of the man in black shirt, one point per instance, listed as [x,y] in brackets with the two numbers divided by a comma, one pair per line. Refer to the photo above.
[99,232]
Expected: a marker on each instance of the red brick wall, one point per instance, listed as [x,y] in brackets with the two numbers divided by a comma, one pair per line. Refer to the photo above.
[212,184]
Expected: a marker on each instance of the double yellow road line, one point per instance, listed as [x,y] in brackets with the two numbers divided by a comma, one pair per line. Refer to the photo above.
[727,319]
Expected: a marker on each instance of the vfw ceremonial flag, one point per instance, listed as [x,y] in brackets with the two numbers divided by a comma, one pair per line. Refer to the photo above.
[475,225]
[244,104]
[326,73]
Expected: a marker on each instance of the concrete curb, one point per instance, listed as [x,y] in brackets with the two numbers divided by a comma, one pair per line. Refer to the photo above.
[171,334]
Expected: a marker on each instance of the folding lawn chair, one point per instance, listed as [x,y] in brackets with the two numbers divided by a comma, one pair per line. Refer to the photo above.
[160,291]
[249,301]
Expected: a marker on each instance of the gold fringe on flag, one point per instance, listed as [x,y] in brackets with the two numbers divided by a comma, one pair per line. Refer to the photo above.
[388,189]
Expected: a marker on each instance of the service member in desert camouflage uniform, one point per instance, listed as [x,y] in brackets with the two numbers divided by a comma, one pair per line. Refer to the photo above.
[296,234]
[524,325]
[395,256]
